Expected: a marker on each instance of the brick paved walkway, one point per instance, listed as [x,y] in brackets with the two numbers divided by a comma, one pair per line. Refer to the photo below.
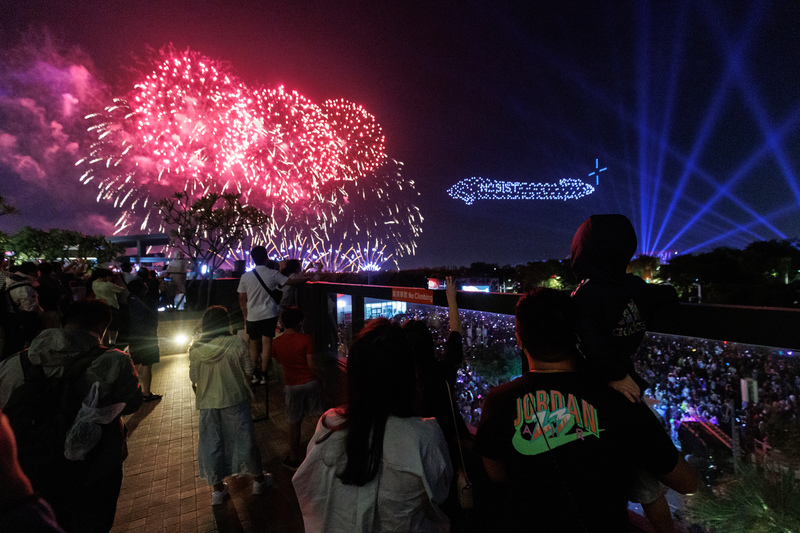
[161,490]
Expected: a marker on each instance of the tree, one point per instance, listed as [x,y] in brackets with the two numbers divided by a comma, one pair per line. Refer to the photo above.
[209,228]
[31,244]
[645,266]
[6,208]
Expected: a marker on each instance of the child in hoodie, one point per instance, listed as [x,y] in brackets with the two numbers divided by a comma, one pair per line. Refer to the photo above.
[220,368]
[613,309]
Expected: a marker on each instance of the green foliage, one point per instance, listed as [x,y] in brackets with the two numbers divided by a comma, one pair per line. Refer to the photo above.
[754,500]
[645,266]
[31,244]
[208,228]
[765,273]
[497,363]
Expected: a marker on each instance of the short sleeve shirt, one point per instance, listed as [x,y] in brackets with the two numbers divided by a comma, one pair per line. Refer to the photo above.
[573,446]
[260,306]
[291,349]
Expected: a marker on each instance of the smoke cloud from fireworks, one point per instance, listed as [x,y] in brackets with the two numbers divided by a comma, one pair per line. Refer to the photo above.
[45,92]
[319,171]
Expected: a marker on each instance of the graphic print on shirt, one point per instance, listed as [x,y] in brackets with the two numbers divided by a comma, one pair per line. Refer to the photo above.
[631,323]
[549,415]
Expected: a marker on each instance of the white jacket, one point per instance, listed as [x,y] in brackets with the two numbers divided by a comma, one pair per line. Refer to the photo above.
[413,479]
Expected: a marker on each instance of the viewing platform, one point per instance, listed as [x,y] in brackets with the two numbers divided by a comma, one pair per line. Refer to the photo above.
[161,490]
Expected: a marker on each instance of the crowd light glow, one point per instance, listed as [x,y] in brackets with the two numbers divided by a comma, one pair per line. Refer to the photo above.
[319,171]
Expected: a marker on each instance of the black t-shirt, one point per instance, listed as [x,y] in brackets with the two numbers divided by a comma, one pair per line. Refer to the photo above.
[577,474]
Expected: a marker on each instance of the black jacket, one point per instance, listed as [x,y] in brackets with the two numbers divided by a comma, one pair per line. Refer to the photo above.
[612,307]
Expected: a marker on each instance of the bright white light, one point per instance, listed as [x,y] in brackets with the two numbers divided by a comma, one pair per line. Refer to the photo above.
[204,269]
[341,303]
[181,338]
[474,288]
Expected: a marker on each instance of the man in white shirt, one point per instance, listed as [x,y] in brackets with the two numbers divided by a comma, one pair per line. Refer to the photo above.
[260,310]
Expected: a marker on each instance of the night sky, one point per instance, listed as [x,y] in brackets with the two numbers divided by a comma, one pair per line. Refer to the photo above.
[693,107]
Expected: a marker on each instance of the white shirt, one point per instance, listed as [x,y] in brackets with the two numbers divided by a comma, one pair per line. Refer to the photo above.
[414,477]
[259,304]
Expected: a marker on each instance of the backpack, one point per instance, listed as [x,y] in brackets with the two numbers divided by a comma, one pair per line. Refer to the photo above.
[7,303]
[11,324]
[41,411]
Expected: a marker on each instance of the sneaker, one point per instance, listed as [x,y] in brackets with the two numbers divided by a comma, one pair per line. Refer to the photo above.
[151,397]
[260,487]
[291,465]
[218,496]
[255,380]
[263,380]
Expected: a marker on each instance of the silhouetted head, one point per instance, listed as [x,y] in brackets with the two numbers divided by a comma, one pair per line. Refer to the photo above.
[259,255]
[293,266]
[90,315]
[292,318]
[602,246]
[545,325]
[215,322]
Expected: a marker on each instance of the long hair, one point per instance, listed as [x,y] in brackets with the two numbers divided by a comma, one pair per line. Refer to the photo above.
[380,382]
[429,376]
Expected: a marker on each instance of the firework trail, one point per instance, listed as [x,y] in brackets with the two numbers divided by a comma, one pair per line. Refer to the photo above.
[320,172]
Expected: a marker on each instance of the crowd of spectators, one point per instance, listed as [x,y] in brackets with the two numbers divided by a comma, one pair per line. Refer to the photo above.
[690,377]
[702,378]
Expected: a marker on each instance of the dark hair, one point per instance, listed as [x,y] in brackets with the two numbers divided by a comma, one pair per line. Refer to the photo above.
[215,323]
[100,272]
[28,268]
[430,379]
[292,317]
[259,255]
[45,269]
[293,266]
[137,287]
[380,382]
[545,324]
[143,273]
[92,315]
[126,266]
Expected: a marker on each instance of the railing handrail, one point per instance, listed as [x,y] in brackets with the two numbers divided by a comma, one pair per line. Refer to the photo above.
[765,326]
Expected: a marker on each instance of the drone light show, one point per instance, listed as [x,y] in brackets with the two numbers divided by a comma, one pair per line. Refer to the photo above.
[472,189]
[319,171]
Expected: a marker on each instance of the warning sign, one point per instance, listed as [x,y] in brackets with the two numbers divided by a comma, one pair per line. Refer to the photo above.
[414,296]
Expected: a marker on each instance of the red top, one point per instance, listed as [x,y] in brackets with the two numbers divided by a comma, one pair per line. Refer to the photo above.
[291,350]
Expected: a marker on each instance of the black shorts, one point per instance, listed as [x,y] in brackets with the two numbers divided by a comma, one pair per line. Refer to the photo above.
[261,328]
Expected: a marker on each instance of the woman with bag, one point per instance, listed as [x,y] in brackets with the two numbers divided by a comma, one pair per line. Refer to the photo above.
[373,464]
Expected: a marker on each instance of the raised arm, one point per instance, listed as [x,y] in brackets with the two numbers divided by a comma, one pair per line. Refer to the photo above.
[452,305]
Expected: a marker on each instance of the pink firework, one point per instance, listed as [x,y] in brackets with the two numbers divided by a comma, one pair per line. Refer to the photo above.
[319,172]
[360,137]
[180,129]
[302,155]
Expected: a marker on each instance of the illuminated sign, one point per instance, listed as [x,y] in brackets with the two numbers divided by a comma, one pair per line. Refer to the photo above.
[415,296]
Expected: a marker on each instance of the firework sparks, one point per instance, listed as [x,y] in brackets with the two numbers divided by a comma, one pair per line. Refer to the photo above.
[320,172]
